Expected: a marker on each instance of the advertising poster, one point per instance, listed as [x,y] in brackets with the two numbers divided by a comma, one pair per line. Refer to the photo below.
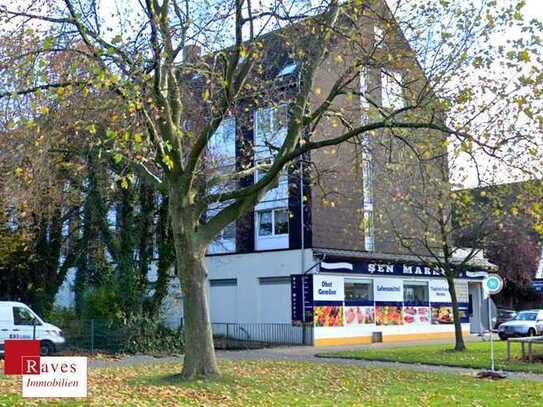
[328,315]
[388,315]
[359,315]
[442,314]
[413,315]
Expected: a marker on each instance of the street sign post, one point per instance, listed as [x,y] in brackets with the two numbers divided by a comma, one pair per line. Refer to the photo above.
[492,284]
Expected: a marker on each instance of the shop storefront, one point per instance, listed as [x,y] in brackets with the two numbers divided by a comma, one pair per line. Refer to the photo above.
[361,301]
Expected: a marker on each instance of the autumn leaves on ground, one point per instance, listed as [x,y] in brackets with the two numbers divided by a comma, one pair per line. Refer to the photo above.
[286,383]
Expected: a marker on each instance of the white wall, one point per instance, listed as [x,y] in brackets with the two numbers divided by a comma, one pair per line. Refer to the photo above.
[223,304]
[274,303]
[255,302]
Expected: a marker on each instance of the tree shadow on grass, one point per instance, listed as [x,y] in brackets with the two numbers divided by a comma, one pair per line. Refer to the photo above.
[178,380]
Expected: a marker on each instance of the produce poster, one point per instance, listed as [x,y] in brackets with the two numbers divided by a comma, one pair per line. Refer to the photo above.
[416,315]
[442,315]
[358,315]
[328,315]
[388,315]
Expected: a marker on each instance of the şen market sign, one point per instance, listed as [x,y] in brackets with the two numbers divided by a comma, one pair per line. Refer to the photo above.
[391,269]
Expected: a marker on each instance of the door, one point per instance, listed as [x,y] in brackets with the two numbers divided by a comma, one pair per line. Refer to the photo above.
[475,299]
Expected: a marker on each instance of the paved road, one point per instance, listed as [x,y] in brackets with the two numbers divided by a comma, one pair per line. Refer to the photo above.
[308,354]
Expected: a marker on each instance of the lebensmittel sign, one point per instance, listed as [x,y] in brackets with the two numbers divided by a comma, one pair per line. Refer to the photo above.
[388,289]
[328,288]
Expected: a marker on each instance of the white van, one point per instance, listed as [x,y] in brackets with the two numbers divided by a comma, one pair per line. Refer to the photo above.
[18,321]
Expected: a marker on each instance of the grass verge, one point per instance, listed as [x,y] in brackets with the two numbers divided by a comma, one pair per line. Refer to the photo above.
[476,356]
[268,383]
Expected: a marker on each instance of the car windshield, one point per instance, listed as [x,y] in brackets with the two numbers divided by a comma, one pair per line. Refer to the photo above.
[526,316]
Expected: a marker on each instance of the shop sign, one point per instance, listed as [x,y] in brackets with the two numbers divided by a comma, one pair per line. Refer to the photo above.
[388,269]
[439,291]
[301,291]
[328,288]
[388,290]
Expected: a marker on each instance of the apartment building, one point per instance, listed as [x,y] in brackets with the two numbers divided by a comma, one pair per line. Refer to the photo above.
[320,248]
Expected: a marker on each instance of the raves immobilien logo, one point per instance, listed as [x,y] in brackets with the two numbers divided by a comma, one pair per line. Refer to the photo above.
[52,376]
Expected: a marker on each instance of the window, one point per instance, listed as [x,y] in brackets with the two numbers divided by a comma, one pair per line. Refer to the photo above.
[223,282]
[392,90]
[270,130]
[379,37]
[272,222]
[281,179]
[359,290]
[23,316]
[281,222]
[367,181]
[228,233]
[415,292]
[368,230]
[274,280]
[363,89]
[222,145]
[288,69]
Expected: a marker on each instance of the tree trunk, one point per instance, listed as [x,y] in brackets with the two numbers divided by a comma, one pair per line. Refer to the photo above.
[199,350]
[459,339]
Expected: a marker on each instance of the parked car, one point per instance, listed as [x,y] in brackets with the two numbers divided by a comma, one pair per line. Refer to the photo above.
[18,321]
[504,315]
[525,323]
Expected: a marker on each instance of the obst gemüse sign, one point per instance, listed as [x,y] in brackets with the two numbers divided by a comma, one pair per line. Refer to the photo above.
[52,376]
[328,288]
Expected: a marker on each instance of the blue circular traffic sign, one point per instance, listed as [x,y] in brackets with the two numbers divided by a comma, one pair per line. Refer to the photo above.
[493,284]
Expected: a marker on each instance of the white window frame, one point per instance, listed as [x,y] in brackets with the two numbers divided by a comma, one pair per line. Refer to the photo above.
[392,96]
[378,37]
[220,138]
[288,69]
[273,223]
[369,243]
[278,133]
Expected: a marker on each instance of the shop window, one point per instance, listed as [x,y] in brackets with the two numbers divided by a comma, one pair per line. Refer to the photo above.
[359,290]
[272,222]
[415,292]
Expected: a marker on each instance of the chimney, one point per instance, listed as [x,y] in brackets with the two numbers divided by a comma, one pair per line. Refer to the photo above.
[191,54]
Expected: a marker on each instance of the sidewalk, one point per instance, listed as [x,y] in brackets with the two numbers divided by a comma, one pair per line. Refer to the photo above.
[308,354]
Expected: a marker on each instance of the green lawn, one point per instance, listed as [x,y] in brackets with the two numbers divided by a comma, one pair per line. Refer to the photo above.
[268,383]
[476,356]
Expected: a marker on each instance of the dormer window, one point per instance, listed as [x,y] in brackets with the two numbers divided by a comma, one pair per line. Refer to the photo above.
[288,69]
